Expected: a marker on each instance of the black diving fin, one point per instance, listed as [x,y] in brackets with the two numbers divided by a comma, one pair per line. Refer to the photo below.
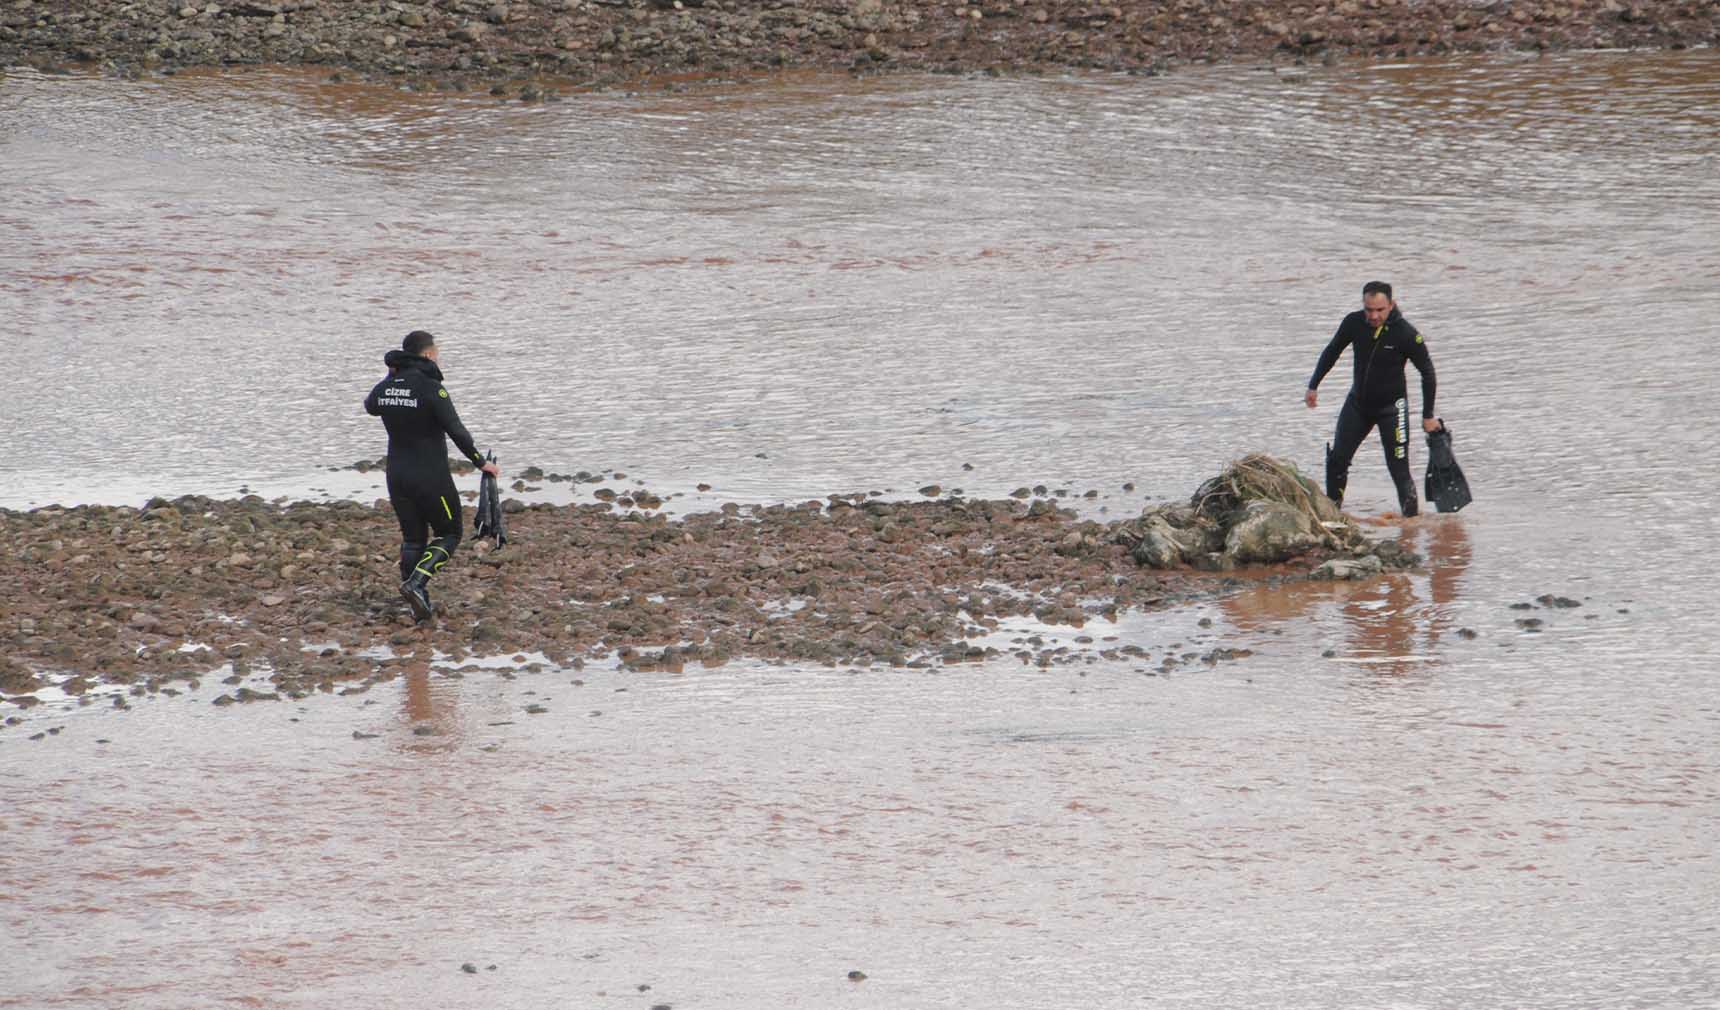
[488,522]
[1445,485]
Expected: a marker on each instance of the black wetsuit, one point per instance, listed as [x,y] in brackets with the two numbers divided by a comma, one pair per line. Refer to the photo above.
[1378,397]
[420,418]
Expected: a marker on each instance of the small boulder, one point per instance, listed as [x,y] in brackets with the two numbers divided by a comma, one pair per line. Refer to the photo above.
[1349,569]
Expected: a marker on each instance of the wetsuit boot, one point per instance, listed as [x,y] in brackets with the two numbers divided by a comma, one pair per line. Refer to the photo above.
[416,592]
[1408,503]
[410,552]
[1336,478]
[416,589]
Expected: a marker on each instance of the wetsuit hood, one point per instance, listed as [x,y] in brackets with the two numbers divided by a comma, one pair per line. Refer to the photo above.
[401,361]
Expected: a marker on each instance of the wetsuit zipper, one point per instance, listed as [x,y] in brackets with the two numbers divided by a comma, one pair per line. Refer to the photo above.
[1369,367]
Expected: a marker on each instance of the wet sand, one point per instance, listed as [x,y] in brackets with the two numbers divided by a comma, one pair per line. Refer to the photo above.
[167,596]
[532,50]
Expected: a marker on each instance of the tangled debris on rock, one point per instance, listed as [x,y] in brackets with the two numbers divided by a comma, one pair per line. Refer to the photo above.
[1259,511]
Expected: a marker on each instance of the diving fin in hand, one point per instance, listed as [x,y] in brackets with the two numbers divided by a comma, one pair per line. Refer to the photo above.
[488,522]
[1445,485]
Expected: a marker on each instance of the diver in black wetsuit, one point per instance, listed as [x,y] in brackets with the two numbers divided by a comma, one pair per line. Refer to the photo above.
[1382,340]
[420,418]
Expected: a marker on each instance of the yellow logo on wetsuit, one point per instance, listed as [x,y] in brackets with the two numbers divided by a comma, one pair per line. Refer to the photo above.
[443,393]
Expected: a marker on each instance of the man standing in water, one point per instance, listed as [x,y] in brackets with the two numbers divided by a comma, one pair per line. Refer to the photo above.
[1382,340]
[420,418]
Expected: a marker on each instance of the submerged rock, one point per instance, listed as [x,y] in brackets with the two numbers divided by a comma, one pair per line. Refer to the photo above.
[1342,569]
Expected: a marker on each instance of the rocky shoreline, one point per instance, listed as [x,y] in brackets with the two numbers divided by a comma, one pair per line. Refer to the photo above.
[535,48]
[305,594]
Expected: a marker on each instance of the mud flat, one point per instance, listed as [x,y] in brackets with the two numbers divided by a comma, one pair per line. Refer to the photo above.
[165,596]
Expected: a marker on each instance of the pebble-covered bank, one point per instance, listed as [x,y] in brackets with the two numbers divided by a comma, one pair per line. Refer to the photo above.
[537,48]
[306,593]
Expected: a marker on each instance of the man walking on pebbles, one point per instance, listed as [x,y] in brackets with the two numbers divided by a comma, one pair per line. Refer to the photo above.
[420,418]
[1382,340]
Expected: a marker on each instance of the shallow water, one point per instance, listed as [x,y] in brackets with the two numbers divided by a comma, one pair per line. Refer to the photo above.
[1402,798]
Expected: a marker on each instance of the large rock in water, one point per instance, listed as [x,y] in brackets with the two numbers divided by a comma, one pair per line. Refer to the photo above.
[1259,511]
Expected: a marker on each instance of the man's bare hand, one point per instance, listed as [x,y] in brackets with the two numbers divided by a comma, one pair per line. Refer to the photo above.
[1311,398]
[491,469]
[1430,424]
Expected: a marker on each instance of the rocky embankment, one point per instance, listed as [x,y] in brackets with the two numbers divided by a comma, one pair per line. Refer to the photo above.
[306,593]
[455,43]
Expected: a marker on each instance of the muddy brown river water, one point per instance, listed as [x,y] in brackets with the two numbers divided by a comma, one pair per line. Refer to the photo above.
[1440,789]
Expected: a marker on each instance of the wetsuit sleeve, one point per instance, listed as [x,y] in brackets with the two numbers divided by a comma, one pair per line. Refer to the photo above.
[1329,357]
[1423,363]
[449,419]
[370,404]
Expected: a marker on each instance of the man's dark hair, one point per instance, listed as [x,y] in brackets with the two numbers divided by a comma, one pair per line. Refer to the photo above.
[418,340]
[1370,288]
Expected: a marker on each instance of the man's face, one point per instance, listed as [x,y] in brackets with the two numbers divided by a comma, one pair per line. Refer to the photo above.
[436,356]
[1377,307]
